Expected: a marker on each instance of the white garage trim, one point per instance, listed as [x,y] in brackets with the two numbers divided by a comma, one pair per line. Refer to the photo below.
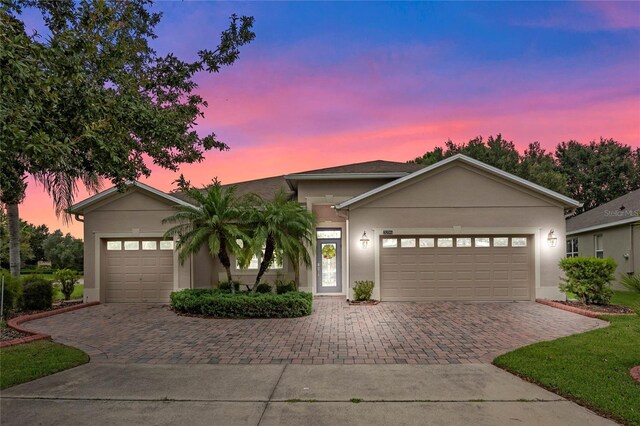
[459,230]
[100,236]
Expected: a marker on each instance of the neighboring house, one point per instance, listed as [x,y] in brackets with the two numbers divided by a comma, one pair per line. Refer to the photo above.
[610,230]
[456,230]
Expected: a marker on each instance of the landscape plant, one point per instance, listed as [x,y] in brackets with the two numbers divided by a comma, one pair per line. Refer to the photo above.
[363,290]
[37,293]
[68,279]
[280,224]
[216,222]
[588,278]
[631,282]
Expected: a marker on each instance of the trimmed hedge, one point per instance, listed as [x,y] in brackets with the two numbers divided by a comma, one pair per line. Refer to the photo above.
[215,303]
[37,293]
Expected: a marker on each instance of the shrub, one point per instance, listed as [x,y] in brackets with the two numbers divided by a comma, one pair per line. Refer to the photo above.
[68,279]
[631,282]
[285,286]
[12,291]
[263,288]
[588,278]
[363,290]
[226,286]
[37,293]
[242,305]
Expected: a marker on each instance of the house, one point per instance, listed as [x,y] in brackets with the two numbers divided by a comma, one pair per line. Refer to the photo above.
[609,230]
[456,230]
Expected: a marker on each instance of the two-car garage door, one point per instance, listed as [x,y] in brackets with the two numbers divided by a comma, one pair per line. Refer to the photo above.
[137,270]
[420,268]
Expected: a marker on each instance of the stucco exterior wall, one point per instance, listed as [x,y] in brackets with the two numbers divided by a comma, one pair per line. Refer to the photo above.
[459,200]
[336,188]
[134,214]
[617,242]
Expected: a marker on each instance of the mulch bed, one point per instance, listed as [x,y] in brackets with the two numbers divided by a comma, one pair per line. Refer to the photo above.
[7,334]
[592,311]
[363,302]
[601,309]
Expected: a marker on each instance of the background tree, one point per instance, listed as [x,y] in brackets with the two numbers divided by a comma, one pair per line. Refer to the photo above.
[539,167]
[93,100]
[64,251]
[215,222]
[598,172]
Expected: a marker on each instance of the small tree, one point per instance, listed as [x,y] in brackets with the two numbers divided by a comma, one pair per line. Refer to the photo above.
[68,279]
[283,225]
[588,278]
[215,222]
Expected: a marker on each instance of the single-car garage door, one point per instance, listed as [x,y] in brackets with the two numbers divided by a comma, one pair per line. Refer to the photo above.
[414,268]
[139,270]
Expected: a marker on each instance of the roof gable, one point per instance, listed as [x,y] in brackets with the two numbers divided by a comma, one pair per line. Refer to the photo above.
[462,159]
[376,166]
[102,197]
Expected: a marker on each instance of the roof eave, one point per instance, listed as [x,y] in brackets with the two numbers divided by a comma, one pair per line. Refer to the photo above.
[603,226]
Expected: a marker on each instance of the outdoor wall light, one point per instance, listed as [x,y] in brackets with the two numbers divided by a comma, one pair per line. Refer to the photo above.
[552,240]
[364,241]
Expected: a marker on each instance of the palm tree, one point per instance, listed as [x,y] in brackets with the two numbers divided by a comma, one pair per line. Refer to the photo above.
[216,221]
[283,225]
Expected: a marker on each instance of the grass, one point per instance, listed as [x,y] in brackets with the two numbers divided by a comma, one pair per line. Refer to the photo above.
[590,368]
[23,363]
[78,292]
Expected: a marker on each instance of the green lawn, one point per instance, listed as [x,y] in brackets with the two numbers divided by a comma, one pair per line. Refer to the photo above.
[590,368]
[31,361]
[78,292]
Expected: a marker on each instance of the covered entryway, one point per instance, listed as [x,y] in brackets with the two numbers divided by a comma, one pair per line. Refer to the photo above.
[137,270]
[423,268]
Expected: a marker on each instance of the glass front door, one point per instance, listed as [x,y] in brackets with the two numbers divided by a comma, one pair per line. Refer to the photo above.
[329,263]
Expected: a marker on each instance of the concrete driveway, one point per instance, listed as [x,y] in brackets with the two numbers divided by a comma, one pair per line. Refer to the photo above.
[336,333]
[108,394]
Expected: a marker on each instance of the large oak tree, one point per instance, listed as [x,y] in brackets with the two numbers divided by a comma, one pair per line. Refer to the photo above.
[92,100]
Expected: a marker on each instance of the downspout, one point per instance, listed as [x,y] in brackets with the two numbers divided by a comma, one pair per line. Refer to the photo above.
[77,217]
[632,254]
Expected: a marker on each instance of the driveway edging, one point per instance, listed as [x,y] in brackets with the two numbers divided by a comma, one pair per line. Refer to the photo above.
[14,323]
[579,311]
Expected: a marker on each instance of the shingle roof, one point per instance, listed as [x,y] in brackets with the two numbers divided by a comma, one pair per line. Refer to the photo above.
[622,208]
[265,188]
[376,166]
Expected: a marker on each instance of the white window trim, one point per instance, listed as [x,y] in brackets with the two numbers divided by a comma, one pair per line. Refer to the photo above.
[595,245]
[573,252]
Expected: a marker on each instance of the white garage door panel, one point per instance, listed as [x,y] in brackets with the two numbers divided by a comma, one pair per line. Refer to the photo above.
[138,275]
[456,273]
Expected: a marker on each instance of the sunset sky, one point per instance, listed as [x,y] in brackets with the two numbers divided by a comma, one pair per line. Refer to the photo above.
[332,83]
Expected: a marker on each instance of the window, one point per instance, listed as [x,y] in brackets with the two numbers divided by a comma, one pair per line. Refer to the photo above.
[572,247]
[132,245]
[427,242]
[389,242]
[114,245]
[407,242]
[149,245]
[166,245]
[483,242]
[501,242]
[463,242]
[599,246]
[256,260]
[328,233]
[445,242]
[519,242]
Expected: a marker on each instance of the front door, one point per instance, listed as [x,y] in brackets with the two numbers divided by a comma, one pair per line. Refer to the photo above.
[329,264]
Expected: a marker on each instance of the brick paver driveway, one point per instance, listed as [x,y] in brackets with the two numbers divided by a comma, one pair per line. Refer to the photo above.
[336,333]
